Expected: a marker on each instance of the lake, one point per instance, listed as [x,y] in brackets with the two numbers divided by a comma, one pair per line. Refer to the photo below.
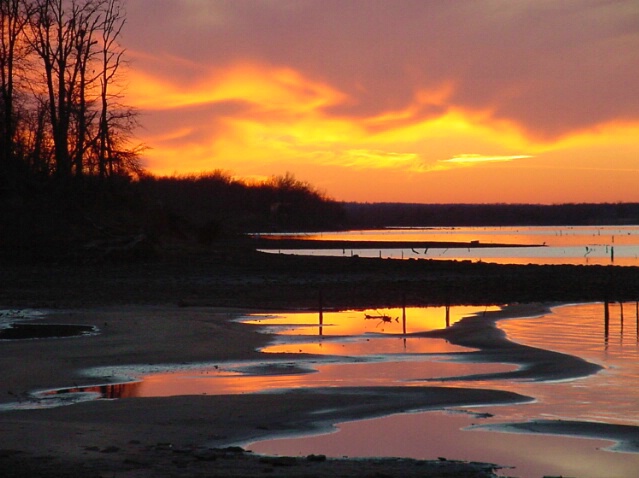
[370,348]
[610,396]
[582,245]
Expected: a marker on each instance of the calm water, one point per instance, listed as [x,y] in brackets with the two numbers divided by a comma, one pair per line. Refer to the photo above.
[611,396]
[348,349]
[368,347]
[585,245]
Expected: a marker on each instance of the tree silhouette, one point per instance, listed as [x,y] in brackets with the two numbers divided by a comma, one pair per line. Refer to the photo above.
[14,16]
[62,59]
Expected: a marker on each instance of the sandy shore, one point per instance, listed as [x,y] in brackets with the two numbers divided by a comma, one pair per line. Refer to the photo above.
[154,436]
[178,311]
[185,436]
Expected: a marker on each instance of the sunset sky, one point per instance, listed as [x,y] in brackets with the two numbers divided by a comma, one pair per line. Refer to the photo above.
[430,101]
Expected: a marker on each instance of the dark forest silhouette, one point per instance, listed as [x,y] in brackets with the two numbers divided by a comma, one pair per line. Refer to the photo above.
[367,215]
[70,174]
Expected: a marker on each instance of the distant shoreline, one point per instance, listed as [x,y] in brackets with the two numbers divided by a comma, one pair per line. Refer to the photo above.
[278,242]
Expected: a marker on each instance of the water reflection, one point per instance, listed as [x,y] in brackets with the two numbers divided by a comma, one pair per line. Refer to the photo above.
[621,321]
[524,235]
[404,371]
[610,396]
[431,435]
[399,321]
[577,245]
[355,351]
[108,391]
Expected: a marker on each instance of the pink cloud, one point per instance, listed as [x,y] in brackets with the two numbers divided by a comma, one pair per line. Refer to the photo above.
[548,67]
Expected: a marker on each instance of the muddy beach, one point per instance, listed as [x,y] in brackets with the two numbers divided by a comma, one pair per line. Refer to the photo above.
[177,310]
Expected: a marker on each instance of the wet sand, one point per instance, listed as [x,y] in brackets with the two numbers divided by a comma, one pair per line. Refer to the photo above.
[154,435]
[176,436]
[148,435]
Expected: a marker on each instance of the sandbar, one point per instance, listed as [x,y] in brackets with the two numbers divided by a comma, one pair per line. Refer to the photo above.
[187,435]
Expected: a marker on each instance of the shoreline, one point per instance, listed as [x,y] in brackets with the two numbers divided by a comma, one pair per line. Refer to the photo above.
[237,277]
[276,242]
[176,308]
[137,426]
[104,434]
[535,364]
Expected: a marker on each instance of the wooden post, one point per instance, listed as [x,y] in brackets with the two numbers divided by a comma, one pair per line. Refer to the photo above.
[404,314]
[321,314]
[621,316]
[606,320]
[447,315]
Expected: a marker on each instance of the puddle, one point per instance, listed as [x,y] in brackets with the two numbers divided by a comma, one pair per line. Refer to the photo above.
[356,353]
[229,379]
[21,331]
[429,435]
[393,321]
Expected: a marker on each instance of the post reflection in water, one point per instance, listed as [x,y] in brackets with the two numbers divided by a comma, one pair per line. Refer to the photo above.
[321,314]
[608,397]
[621,321]
[359,352]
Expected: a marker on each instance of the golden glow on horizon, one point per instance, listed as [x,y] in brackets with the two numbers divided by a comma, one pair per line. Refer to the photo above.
[274,119]
[477,158]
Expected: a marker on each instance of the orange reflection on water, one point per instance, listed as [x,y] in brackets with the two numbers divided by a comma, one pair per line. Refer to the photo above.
[372,351]
[356,323]
[576,261]
[367,346]
[531,235]
[208,381]
[430,435]
[577,245]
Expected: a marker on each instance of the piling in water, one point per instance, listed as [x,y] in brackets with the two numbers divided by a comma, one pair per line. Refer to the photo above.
[606,320]
[404,313]
[321,314]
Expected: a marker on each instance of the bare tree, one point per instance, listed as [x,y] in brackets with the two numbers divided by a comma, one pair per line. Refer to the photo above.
[14,16]
[62,36]
[35,139]
[82,114]
[115,120]
[77,42]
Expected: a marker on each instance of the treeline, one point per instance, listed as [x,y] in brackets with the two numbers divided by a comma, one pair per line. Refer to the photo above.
[133,219]
[367,215]
[70,177]
[220,204]
[61,115]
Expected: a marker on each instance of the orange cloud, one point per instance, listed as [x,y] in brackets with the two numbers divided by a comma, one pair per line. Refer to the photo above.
[256,120]
[269,88]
